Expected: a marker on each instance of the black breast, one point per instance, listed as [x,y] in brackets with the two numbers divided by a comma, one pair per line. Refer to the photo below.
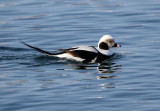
[102,57]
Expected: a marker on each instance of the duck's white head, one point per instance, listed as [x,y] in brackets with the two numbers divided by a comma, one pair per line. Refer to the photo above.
[106,42]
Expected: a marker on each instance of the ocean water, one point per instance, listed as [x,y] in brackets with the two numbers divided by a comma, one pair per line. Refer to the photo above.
[31,81]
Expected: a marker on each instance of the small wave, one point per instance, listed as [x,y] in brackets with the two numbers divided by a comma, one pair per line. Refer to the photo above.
[12,49]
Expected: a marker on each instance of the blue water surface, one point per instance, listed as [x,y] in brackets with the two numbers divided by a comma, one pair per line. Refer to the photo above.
[31,81]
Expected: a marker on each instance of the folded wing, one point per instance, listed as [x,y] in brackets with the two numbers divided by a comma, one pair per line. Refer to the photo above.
[87,53]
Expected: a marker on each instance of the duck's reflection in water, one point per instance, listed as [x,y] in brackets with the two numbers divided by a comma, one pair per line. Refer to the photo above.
[98,75]
[106,69]
[105,72]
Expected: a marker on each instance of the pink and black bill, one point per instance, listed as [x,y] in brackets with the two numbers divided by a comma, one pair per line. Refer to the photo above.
[116,45]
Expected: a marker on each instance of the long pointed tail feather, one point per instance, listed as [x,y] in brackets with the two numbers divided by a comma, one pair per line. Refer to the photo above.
[38,49]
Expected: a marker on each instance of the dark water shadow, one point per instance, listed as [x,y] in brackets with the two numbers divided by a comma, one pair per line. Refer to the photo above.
[14,53]
[3,48]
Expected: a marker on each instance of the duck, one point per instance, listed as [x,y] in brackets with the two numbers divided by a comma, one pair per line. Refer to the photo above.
[84,53]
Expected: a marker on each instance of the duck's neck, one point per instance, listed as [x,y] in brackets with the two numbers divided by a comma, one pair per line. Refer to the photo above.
[105,52]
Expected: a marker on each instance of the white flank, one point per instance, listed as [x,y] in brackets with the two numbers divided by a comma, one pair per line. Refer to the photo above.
[68,56]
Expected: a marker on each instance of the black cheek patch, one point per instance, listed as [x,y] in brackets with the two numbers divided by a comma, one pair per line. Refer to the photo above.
[104,46]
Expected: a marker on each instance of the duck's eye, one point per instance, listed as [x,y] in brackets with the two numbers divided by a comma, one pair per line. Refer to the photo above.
[110,41]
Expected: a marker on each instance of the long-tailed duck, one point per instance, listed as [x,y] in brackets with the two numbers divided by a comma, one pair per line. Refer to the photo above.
[85,54]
